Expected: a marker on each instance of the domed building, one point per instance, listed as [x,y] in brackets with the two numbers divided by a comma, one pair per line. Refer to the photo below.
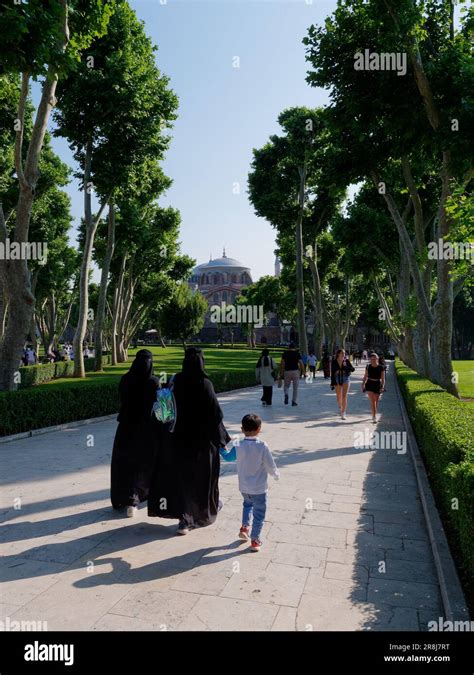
[221,279]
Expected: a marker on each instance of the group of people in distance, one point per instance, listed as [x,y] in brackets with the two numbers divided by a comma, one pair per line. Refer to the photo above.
[339,368]
[63,353]
[29,357]
[175,466]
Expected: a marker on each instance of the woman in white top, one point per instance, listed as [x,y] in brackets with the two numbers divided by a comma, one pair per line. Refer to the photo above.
[264,373]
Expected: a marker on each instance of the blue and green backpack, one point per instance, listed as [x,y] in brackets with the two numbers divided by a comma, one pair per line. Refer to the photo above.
[165,407]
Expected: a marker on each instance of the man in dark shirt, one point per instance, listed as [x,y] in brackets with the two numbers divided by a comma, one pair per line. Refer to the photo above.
[291,366]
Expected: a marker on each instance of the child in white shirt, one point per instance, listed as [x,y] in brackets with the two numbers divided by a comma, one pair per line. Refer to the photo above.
[254,463]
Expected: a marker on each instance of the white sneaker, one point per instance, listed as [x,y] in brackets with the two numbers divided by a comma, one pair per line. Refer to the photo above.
[182,528]
[374,420]
[131,511]
[343,416]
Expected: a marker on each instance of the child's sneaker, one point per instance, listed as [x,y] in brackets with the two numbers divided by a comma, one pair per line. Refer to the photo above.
[255,545]
[244,533]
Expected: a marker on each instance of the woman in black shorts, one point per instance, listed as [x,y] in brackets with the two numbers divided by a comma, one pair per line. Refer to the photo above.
[374,383]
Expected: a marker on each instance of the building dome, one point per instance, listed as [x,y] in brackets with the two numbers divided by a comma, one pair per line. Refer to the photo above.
[221,263]
[221,279]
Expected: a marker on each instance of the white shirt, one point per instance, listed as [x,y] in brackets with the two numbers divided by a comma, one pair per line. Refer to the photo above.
[254,463]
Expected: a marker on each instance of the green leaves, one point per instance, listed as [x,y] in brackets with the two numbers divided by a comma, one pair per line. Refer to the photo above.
[119,101]
[34,36]
[183,314]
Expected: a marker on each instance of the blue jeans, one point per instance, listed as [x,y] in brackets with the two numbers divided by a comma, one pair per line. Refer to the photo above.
[256,505]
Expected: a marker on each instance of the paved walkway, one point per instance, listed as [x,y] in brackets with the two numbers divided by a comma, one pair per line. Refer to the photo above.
[345,544]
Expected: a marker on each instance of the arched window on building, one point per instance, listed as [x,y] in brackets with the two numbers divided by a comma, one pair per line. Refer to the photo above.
[234,279]
[224,296]
[215,298]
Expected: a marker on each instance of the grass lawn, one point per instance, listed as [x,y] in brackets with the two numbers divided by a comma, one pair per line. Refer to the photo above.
[169,359]
[466,377]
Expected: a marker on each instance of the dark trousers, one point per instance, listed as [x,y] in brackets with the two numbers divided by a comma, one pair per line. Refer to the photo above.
[267,395]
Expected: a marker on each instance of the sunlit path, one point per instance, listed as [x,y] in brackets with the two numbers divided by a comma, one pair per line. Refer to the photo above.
[345,544]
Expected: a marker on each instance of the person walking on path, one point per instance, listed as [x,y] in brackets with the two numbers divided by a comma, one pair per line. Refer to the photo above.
[254,464]
[312,365]
[185,482]
[374,383]
[264,373]
[304,361]
[135,439]
[291,366]
[341,369]
[326,365]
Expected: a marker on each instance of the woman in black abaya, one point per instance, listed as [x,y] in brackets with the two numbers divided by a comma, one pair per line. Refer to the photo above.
[185,480]
[137,433]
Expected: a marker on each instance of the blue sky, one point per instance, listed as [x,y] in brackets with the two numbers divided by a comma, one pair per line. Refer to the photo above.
[225,111]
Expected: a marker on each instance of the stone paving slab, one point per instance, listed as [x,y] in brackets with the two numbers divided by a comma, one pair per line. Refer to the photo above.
[345,541]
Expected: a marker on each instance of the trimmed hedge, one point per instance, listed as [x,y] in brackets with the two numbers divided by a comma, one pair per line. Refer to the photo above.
[45,372]
[38,407]
[444,429]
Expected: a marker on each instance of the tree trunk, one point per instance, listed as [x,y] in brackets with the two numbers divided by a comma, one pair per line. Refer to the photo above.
[442,329]
[319,322]
[3,311]
[14,273]
[21,303]
[124,317]
[100,318]
[160,338]
[121,352]
[32,330]
[421,346]
[79,370]
[116,310]
[303,342]
[405,349]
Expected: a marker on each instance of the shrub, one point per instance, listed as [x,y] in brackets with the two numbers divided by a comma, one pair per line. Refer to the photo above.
[444,428]
[38,407]
[45,372]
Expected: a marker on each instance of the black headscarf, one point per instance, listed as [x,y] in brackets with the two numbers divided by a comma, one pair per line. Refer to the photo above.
[138,388]
[264,360]
[142,367]
[193,366]
[199,416]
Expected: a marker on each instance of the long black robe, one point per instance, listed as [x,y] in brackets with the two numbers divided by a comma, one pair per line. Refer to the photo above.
[135,443]
[185,483]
